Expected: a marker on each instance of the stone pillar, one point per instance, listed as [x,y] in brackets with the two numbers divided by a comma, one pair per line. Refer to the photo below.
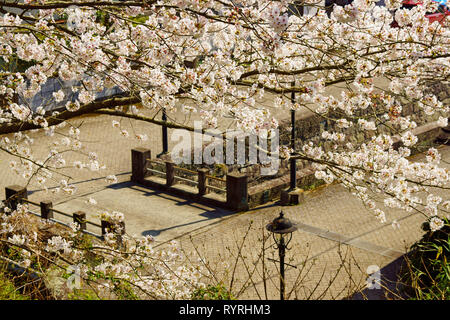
[46,210]
[14,195]
[170,173]
[202,179]
[139,164]
[80,218]
[237,192]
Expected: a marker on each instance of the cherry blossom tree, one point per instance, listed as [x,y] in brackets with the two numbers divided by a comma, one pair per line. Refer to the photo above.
[218,58]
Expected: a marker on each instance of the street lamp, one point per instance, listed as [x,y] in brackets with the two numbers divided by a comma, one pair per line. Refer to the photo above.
[164,133]
[165,143]
[293,164]
[281,229]
[292,195]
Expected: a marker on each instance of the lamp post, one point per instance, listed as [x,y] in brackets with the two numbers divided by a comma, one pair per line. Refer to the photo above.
[281,229]
[165,143]
[164,132]
[293,164]
[293,195]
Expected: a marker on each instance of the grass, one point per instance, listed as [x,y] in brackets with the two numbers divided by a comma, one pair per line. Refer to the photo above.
[426,274]
[8,291]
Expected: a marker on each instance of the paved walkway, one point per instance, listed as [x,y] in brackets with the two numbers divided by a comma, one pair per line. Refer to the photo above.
[337,239]
[336,242]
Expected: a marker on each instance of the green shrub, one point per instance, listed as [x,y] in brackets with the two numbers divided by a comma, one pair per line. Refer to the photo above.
[79,294]
[216,292]
[427,270]
[7,289]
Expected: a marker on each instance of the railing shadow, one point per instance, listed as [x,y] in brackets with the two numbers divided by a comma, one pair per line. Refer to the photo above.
[210,212]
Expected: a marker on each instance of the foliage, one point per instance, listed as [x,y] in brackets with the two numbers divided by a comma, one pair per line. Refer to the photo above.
[78,294]
[212,292]
[8,291]
[314,185]
[78,266]
[247,52]
[427,270]
[217,60]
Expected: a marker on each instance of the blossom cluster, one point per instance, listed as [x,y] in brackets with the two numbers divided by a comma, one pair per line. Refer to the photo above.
[223,59]
[153,273]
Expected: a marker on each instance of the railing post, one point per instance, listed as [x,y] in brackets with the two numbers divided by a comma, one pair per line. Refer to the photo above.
[202,179]
[14,195]
[108,226]
[139,163]
[46,210]
[80,218]
[170,173]
[237,192]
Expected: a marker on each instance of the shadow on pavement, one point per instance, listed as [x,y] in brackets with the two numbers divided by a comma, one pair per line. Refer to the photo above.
[80,182]
[213,212]
[390,289]
[209,213]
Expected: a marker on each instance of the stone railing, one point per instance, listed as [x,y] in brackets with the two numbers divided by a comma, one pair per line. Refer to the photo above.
[259,189]
[198,185]
[16,195]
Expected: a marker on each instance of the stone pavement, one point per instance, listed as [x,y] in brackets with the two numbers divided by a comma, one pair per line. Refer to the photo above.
[147,212]
[114,150]
[336,242]
[168,214]
[337,239]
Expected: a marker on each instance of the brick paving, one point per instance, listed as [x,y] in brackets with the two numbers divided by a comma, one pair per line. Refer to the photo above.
[330,221]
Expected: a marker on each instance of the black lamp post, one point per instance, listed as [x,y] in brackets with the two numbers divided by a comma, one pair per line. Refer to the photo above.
[292,195]
[281,229]
[293,164]
[165,142]
[164,133]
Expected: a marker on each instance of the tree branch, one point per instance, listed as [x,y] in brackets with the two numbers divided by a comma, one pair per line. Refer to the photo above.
[66,115]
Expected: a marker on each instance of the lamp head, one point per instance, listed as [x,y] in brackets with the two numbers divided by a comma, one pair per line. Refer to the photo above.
[281,225]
